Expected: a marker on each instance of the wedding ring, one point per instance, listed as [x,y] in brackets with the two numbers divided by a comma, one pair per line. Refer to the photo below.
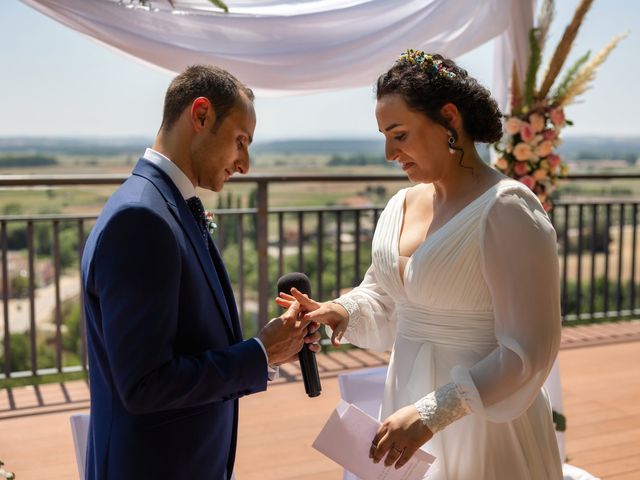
[398,450]
[374,444]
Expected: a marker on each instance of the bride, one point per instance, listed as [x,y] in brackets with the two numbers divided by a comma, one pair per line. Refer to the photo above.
[463,288]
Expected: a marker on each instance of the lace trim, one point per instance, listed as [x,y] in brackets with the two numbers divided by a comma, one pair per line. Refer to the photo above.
[352,308]
[442,407]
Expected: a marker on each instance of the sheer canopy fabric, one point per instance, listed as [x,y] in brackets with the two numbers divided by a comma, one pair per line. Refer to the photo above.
[296,46]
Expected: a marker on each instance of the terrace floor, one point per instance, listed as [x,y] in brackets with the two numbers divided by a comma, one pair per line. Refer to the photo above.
[601,385]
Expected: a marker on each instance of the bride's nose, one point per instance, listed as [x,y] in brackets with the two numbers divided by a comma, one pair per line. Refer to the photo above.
[390,153]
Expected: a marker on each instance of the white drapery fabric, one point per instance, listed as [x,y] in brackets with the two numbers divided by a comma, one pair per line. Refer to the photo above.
[298,46]
[512,50]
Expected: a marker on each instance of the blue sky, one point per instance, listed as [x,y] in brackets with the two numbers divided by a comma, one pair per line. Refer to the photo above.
[56,82]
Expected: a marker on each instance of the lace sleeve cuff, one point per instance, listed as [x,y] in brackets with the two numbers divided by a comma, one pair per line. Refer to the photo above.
[442,407]
[352,308]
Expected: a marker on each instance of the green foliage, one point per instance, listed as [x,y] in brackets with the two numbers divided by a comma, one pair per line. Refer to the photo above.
[570,74]
[532,70]
[597,240]
[12,209]
[574,307]
[560,421]
[26,161]
[72,317]
[220,4]
[357,160]
[19,348]
[19,286]
[43,240]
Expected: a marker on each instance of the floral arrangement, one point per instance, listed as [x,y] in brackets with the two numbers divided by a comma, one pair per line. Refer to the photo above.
[527,152]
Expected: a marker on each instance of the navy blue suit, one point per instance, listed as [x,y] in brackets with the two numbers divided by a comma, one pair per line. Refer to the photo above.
[166,357]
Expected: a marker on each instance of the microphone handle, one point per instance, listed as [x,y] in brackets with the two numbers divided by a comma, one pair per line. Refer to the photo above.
[309,369]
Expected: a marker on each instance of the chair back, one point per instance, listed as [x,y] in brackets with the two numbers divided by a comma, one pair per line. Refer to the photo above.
[80,433]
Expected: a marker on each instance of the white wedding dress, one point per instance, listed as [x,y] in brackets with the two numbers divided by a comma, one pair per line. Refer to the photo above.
[477,306]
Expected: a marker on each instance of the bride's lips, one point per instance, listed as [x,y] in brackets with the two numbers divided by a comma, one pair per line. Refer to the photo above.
[407,166]
[228,173]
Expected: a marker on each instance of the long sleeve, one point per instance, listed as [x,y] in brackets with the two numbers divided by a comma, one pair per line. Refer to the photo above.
[139,294]
[372,314]
[520,265]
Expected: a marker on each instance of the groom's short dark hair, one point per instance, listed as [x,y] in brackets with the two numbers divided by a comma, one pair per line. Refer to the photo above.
[216,84]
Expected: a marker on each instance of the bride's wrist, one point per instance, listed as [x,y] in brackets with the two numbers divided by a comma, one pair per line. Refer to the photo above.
[339,310]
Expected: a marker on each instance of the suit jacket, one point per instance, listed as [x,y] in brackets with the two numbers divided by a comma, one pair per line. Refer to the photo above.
[166,356]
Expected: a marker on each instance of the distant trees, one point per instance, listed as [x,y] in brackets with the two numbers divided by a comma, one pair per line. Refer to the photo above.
[357,160]
[26,161]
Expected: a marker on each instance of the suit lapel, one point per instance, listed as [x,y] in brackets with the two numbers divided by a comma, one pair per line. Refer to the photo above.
[180,210]
[226,288]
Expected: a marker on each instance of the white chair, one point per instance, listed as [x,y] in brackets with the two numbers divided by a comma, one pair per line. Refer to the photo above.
[554,389]
[80,432]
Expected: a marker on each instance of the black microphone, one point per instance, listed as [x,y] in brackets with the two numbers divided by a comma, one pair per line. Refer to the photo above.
[307,358]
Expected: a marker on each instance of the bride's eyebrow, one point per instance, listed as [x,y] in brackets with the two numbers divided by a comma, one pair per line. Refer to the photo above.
[390,127]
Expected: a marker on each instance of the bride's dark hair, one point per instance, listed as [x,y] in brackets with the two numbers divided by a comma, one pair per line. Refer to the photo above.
[428,82]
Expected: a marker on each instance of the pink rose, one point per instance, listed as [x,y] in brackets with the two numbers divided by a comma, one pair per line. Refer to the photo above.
[554,160]
[513,125]
[526,132]
[502,163]
[522,151]
[537,122]
[521,168]
[540,174]
[547,206]
[557,116]
[528,181]
[544,149]
[549,134]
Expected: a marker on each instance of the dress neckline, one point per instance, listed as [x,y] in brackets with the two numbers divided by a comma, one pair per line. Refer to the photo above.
[428,238]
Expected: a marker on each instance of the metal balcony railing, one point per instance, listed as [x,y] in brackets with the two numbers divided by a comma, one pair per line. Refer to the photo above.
[597,250]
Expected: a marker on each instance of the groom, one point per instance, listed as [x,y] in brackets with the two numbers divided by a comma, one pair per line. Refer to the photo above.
[166,355]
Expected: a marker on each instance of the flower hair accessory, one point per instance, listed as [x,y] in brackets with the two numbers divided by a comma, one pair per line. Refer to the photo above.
[435,67]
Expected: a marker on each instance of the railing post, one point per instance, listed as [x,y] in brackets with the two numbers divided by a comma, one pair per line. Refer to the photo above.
[58,310]
[33,328]
[263,259]
[5,298]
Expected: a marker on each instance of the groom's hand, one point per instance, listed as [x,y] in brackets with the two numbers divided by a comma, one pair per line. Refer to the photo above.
[284,336]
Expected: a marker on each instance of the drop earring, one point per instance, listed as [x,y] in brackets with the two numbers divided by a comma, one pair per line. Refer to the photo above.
[451,140]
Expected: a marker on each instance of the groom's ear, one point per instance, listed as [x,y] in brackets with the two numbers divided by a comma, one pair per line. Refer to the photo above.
[201,113]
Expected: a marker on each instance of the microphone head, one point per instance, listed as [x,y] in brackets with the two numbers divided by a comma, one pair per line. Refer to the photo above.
[294,279]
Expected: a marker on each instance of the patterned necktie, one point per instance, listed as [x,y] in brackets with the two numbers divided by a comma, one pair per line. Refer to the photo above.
[197,209]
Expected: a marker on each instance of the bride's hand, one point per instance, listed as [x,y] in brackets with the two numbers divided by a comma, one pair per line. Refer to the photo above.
[329,313]
[399,437]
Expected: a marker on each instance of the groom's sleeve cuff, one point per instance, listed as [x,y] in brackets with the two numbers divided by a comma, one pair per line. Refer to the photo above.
[272,372]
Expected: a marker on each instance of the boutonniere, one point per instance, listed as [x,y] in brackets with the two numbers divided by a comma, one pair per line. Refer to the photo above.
[211,225]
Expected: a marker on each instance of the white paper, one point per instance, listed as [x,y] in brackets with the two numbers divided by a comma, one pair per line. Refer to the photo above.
[346,439]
